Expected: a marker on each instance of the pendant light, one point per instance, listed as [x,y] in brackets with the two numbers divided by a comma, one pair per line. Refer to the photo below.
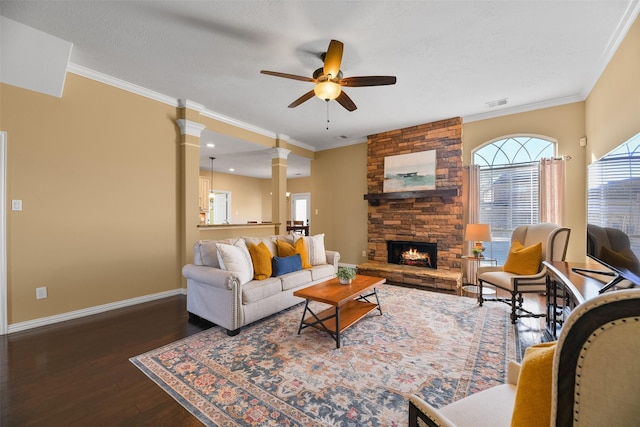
[211,195]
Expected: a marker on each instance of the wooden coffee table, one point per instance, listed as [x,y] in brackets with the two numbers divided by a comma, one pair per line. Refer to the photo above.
[349,304]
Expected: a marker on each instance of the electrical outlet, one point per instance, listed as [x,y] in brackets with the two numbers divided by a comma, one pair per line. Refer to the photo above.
[364,253]
[41,293]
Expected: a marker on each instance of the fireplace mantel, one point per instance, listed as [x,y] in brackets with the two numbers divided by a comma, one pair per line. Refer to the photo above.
[374,198]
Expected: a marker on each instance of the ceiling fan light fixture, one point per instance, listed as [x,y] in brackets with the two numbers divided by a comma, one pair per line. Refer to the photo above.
[327,91]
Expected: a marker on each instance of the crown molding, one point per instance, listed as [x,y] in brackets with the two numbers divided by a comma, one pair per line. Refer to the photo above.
[185,103]
[523,108]
[238,123]
[120,84]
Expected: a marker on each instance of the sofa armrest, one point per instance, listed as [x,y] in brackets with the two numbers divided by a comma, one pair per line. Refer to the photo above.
[513,371]
[419,409]
[211,276]
[333,257]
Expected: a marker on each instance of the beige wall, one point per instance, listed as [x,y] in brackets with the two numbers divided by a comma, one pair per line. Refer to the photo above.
[564,124]
[97,171]
[251,197]
[246,195]
[613,106]
[339,183]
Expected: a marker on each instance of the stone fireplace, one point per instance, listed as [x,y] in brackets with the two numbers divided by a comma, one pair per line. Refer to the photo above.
[415,254]
[433,216]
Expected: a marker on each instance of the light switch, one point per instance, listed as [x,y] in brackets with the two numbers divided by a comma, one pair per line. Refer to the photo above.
[16,205]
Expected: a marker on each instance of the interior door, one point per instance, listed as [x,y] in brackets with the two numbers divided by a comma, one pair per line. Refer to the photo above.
[221,207]
[301,207]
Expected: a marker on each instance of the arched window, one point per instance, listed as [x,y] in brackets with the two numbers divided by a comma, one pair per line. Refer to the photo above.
[509,186]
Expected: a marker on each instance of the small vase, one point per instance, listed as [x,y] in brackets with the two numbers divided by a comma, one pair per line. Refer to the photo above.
[345,281]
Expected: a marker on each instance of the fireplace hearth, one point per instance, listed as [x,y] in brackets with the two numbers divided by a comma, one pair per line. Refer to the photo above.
[416,254]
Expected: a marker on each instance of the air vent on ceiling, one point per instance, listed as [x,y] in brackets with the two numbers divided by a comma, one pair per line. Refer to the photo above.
[496,103]
[342,137]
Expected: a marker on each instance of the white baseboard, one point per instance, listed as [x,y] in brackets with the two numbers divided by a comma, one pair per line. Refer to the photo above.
[43,321]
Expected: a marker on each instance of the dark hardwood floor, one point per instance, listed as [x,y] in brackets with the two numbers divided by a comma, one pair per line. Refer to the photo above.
[78,373]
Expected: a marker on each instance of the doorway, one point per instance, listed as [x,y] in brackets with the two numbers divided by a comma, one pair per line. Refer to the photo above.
[220,208]
[301,207]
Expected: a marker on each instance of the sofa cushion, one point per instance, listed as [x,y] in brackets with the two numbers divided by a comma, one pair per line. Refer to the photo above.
[295,279]
[236,258]
[286,249]
[256,290]
[261,259]
[287,264]
[314,246]
[523,260]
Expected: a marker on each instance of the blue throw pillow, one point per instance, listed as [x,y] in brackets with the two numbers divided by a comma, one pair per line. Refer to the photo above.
[287,264]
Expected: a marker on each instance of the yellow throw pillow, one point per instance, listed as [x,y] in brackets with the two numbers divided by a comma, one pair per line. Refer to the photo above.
[287,249]
[532,407]
[261,259]
[524,261]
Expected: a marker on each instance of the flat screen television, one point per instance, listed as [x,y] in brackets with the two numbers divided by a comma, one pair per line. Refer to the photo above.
[613,214]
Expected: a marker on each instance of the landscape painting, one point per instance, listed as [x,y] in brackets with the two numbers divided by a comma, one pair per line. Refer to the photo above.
[410,172]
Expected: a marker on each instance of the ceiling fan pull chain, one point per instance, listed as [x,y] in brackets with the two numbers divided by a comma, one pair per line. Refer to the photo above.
[327,101]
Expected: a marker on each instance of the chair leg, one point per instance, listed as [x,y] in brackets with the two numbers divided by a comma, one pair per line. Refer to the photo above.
[514,316]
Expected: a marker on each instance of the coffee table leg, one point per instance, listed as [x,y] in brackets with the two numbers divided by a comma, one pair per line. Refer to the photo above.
[337,327]
[375,291]
[304,313]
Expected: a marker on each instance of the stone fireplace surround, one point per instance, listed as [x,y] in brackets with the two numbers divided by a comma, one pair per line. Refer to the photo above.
[430,216]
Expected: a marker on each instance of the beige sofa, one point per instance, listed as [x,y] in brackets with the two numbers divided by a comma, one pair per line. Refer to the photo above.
[230,297]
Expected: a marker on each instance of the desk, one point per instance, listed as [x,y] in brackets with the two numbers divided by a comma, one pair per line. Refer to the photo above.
[294,228]
[473,287]
[566,289]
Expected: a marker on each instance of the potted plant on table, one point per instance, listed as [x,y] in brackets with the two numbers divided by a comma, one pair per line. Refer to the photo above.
[346,275]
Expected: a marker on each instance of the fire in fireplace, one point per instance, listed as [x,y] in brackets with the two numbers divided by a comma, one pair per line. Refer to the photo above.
[417,254]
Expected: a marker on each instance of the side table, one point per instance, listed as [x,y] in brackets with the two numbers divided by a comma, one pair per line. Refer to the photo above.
[473,286]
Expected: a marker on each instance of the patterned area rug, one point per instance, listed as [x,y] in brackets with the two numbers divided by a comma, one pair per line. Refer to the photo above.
[442,347]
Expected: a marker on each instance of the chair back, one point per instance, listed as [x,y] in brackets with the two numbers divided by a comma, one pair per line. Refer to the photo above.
[596,367]
[554,238]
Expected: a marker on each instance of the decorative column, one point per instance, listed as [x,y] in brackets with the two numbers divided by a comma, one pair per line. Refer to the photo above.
[279,187]
[190,132]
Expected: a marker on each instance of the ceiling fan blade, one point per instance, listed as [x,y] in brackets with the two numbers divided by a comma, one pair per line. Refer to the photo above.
[307,96]
[287,76]
[333,58]
[344,100]
[368,81]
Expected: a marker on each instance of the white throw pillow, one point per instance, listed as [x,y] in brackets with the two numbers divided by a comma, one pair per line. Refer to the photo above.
[236,258]
[315,248]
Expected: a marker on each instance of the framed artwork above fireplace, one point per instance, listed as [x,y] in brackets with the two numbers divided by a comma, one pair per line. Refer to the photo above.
[410,172]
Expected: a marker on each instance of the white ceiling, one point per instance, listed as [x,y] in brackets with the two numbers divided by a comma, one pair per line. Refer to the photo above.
[451,58]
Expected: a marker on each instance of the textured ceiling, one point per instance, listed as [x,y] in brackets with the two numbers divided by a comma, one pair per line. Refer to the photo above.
[450,57]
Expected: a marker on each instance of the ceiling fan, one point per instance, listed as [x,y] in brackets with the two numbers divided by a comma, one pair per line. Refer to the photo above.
[329,80]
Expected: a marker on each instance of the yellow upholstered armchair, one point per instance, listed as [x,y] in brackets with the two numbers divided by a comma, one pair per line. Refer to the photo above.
[553,241]
[591,378]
